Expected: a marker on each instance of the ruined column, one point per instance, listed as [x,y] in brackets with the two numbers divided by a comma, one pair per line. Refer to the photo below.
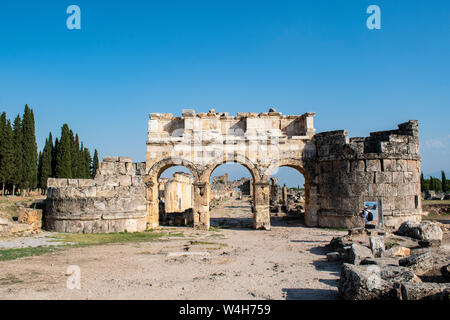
[152,203]
[261,205]
[284,195]
[201,205]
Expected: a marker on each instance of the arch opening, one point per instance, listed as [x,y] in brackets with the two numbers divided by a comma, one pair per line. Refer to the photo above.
[289,192]
[170,193]
[231,195]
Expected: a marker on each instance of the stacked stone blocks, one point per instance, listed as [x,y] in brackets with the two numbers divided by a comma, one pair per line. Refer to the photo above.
[112,202]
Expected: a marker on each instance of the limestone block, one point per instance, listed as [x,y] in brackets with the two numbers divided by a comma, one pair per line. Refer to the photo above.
[111,181]
[122,192]
[99,205]
[100,226]
[401,165]
[413,166]
[377,246]
[373,165]
[357,253]
[137,181]
[364,177]
[425,291]
[124,181]
[72,182]
[397,177]
[86,183]
[106,191]
[389,165]
[140,168]
[125,159]
[110,159]
[59,225]
[89,192]
[358,165]
[107,168]
[116,225]
[383,177]
[53,182]
[74,226]
[131,225]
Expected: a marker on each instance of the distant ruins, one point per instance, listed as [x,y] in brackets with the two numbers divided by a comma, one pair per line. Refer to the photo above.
[340,173]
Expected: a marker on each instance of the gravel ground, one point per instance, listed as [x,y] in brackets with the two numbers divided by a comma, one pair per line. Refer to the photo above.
[287,262]
[42,239]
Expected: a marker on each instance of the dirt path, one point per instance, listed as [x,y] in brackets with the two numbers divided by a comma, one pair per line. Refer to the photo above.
[287,262]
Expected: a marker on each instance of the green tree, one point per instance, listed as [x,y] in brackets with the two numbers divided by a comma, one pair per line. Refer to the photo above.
[45,171]
[63,167]
[18,154]
[87,164]
[95,164]
[2,150]
[444,182]
[7,153]
[29,145]
[55,147]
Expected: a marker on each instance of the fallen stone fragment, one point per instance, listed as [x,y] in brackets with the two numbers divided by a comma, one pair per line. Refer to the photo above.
[372,282]
[334,256]
[425,291]
[398,251]
[357,253]
[420,263]
[429,243]
[445,270]
[423,231]
[336,243]
[377,246]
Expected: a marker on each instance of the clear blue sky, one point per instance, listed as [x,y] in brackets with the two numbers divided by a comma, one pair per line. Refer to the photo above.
[131,58]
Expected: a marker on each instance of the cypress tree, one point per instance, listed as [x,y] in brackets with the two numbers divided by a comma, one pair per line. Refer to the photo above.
[73,155]
[7,160]
[46,165]
[18,154]
[422,182]
[29,145]
[40,168]
[63,166]
[88,164]
[444,182]
[95,164]
[2,150]
[55,147]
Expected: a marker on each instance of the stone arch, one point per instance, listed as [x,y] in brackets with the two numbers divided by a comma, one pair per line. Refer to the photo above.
[298,165]
[229,158]
[160,166]
[152,185]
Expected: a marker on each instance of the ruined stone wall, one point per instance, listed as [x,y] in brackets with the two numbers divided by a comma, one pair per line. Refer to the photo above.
[178,193]
[385,165]
[112,202]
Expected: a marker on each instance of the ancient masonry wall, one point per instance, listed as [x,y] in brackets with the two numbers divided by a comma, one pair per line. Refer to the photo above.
[385,165]
[112,202]
[178,193]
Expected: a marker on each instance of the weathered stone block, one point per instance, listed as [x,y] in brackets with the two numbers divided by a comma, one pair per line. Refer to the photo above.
[373,165]
[125,181]
[86,183]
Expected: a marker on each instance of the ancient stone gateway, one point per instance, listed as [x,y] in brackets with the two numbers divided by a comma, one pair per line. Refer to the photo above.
[341,173]
[201,142]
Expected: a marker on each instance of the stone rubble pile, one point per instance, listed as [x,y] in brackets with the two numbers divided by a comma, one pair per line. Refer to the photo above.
[375,272]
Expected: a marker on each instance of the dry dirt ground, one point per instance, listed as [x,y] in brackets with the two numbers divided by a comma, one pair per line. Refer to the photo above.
[236,262]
